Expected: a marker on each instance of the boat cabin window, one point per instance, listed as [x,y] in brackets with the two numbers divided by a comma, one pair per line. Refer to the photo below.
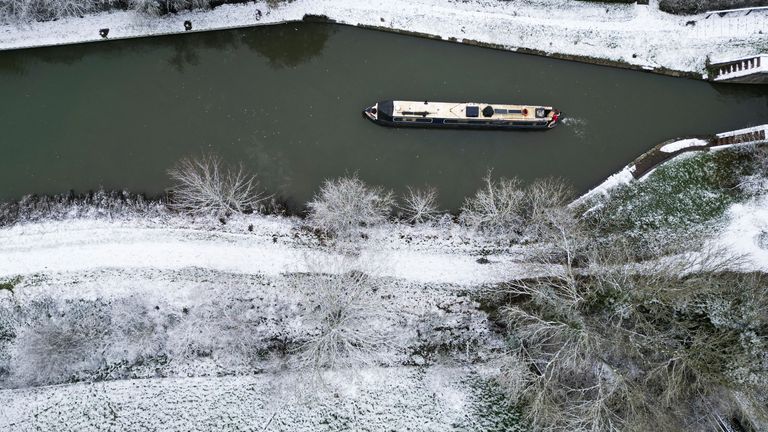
[473,111]
[488,111]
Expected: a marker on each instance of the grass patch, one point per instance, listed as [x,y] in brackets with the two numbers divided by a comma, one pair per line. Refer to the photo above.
[684,193]
[10,284]
[491,408]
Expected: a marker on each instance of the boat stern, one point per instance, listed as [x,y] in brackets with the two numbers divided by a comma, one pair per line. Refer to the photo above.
[557,115]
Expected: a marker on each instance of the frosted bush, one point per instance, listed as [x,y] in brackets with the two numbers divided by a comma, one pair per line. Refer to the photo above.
[205,186]
[62,344]
[346,204]
[497,208]
[350,317]
[420,205]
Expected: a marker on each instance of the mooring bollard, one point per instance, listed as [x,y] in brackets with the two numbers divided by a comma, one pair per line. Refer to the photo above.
[187,25]
[104,32]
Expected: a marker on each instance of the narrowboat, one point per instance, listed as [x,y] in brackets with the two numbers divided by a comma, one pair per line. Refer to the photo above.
[462,115]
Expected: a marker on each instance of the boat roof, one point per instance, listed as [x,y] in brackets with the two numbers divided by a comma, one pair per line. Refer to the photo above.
[463,110]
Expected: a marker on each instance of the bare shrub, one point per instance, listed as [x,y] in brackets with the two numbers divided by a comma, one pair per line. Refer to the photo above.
[138,330]
[219,328]
[351,321]
[64,344]
[420,205]
[19,11]
[161,7]
[637,346]
[346,204]
[146,7]
[760,158]
[497,208]
[204,186]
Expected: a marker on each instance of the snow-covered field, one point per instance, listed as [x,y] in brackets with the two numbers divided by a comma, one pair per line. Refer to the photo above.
[397,399]
[637,35]
[179,286]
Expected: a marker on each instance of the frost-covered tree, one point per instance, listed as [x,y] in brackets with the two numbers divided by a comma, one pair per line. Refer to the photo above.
[625,346]
[497,209]
[230,331]
[420,205]
[160,7]
[146,7]
[59,343]
[345,205]
[205,186]
[138,330]
[351,322]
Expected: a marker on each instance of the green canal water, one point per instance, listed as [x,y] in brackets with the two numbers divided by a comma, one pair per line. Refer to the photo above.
[286,102]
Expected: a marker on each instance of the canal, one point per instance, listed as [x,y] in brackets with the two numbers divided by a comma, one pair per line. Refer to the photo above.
[286,101]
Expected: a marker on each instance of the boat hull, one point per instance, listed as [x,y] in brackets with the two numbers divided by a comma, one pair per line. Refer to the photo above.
[459,125]
[446,115]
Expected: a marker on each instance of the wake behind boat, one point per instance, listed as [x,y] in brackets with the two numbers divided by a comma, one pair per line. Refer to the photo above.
[462,115]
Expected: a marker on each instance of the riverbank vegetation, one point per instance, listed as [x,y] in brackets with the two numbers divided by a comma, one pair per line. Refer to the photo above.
[613,344]
[598,334]
[204,186]
[685,7]
[23,11]
[688,195]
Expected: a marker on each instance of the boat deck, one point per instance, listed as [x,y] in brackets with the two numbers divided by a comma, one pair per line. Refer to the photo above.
[449,110]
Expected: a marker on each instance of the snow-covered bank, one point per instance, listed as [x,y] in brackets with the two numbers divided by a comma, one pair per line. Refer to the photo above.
[638,36]
[746,232]
[167,296]
[682,144]
[670,151]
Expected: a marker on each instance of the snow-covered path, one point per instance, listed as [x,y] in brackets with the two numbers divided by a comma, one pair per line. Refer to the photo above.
[270,249]
[636,35]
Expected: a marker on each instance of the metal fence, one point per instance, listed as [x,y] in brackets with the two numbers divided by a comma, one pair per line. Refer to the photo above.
[732,22]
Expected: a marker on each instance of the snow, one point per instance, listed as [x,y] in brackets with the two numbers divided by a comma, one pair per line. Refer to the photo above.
[274,247]
[158,266]
[620,178]
[637,35]
[682,144]
[746,232]
[371,400]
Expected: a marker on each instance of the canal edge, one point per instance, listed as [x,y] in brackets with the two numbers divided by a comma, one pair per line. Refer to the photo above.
[258,20]
[645,164]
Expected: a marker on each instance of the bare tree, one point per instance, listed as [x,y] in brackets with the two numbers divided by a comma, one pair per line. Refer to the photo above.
[631,346]
[547,205]
[420,205]
[204,186]
[352,321]
[497,208]
[346,204]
